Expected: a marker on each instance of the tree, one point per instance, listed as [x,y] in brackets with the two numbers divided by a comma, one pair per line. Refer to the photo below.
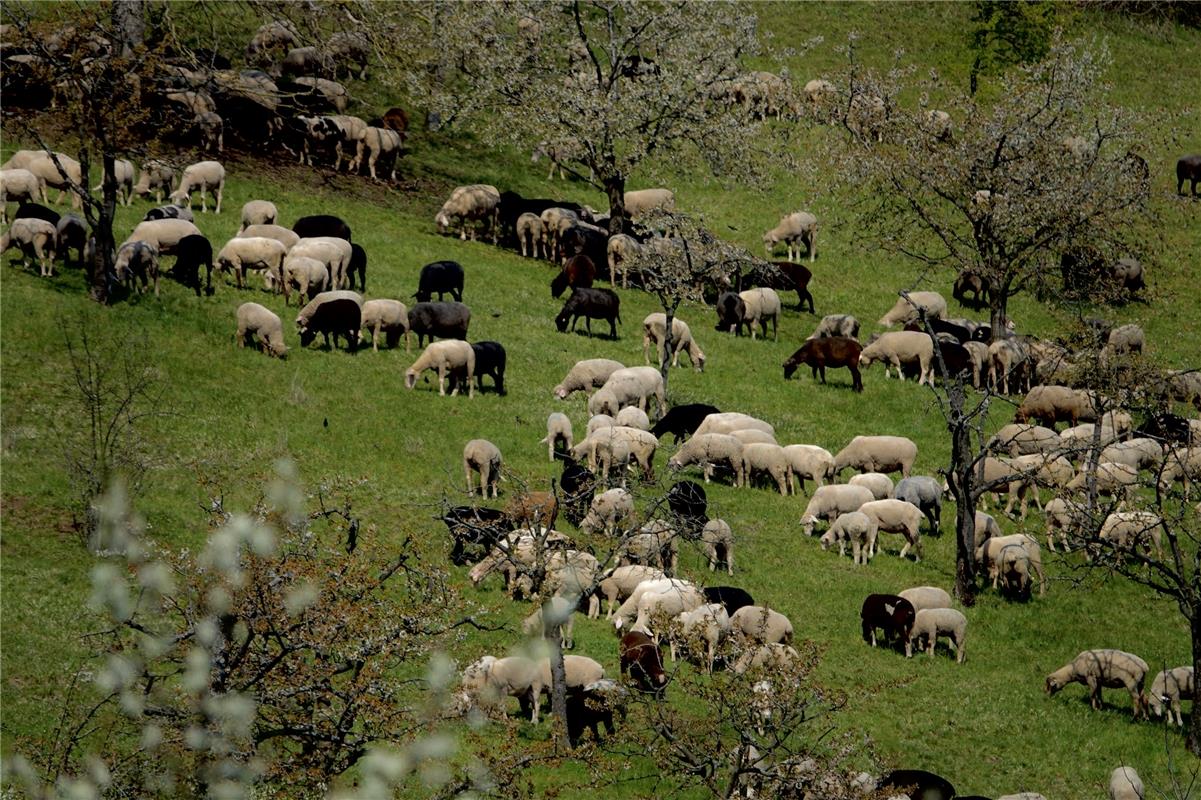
[606,84]
[1009,33]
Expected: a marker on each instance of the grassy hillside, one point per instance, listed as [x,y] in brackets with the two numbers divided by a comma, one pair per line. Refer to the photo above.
[229,413]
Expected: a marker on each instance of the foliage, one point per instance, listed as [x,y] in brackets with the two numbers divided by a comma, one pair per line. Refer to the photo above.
[1005,34]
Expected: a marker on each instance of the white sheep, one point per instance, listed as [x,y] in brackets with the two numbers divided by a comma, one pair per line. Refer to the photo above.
[709,450]
[1125,784]
[157,176]
[629,386]
[1115,480]
[258,212]
[730,421]
[445,356]
[1125,339]
[609,512]
[905,310]
[655,544]
[1062,516]
[989,555]
[829,501]
[1168,688]
[930,623]
[762,304]
[897,349]
[483,457]
[618,445]
[1126,530]
[389,317]
[856,528]
[491,678]
[794,228]
[279,233]
[1140,453]
[531,235]
[559,610]
[257,253]
[578,672]
[469,204]
[753,436]
[654,330]
[553,221]
[42,164]
[332,251]
[377,143]
[19,186]
[759,625]
[137,260]
[596,422]
[632,417]
[926,597]
[36,239]
[620,250]
[207,176]
[877,454]
[308,276]
[897,516]
[165,234]
[808,461]
[123,175]
[628,611]
[641,202]
[1182,465]
[621,582]
[765,457]
[718,541]
[704,625]
[1019,439]
[586,375]
[878,483]
[558,429]
[255,320]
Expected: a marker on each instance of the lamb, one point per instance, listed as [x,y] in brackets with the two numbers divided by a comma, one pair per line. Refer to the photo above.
[157,176]
[769,458]
[483,457]
[19,185]
[207,176]
[760,625]
[36,239]
[619,584]
[333,251]
[308,275]
[836,325]
[469,204]
[259,253]
[642,662]
[704,625]
[137,260]
[632,417]
[1103,668]
[378,143]
[906,309]
[989,555]
[608,511]
[710,449]
[794,228]
[1126,530]
[978,353]
[831,351]
[808,461]
[927,597]
[856,528]
[598,421]
[830,501]
[444,320]
[443,277]
[925,493]
[1168,688]
[641,202]
[934,622]
[761,305]
[42,163]
[1020,439]
[730,421]
[444,356]
[491,678]
[338,313]
[258,212]
[1061,516]
[681,421]
[556,608]
[590,304]
[558,429]
[901,348]
[165,234]
[586,375]
[1125,784]
[629,386]
[890,612]
[718,541]
[877,454]
[897,516]
[654,329]
[256,320]
[879,484]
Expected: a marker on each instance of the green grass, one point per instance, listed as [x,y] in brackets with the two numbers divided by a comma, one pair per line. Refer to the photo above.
[985,724]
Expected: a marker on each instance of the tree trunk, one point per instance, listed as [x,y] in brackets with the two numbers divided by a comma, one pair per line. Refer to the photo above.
[558,675]
[669,311]
[1193,741]
[999,313]
[129,23]
[101,266]
[963,489]
[615,190]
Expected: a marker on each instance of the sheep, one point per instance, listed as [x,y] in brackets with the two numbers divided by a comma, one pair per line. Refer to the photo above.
[170,211]
[552,220]
[641,202]
[1116,480]
[308,275]
[607,511]
[321,94]
[165,234]
[818,91]
[704,625]
[808,461]
[319,225]
[1126,530]
[853,527]
[468,204]
[618,444]
[978,353]
[1168,688]
[590,304]
[333,251]
[1125,784]
[353,49]
[989,555]
[36,239]
[879,484]
[137,260]
[490,358]
[45,165]
[901,348]
[560,610]
[1052,404]
[1125,339]
[642,662]
[938,123]
[1140,453]
[271,36]
[986,528]
[659,602]
[157,176]
[906,308]
[1103,668]
[70,233]
[258,212]
[444,356]
[598,421]
[586,375]
[897,516]
[718,541]
[761,305]
[620,250]
[730,421]
[443,277]
[1020,439]
[760,625]
[681,421]
[654,329]
[832,351]
[766,457]
[593,705]
[1009,367]
[632,417]
[1062,516]
[491,678]
[531,235]
[259,253]
[620,583]
[836,325]
[731,313]
[377,143]
[753,436]
[343,130]
[191,253]
[256,320]
[934,622]
[925,493]
[339,313]
[19,185]
[444,320]
[577,271]
[579,672]
[1182,465]
[629,386]
[830,501]
[877,454]
[794,228]
[558,429]
[710,449]
[927,597]
[206,176]
[893,614]
[773,657]
[483,457]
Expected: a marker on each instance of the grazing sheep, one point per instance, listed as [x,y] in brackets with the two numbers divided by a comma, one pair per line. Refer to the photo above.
[157,176]
[761,305]
[660,602]
[593,706]
[1188,168]
[620,250]
[927,597]
[598,421]
[931,623]
[207,176]
[165,234]
[990,552]
[478,202]
[333,251]
[830,501]
[897,516]
[986,528]
[42,163]
[1115,480]
[619,584]
[444,356]
[1052,404]
[629,386]
[1020,439]
[704,625]
[1125,339]
[375,144]
[1182,465]
[258,253]
[901,348]
[641,202]
[490,358]
[586,375]
[731,313]
[831,351]
[856,528]
[36,239]
[767,656]
[1062,516]
[483,457]
[1140,453]
[1168,688]
[879,484]
[560,610]
[681,421]
[258,212]
[925,493]
[1009,366]
[718,541]
[906,309]
[256,320]
[337,313]
[836,325]
[553,222]
[794,228]
[761,625]
[71,233]
[808,461]
[877,454]
[654,329]
[590,304]
[730,421]
[443,320]
[443,277]
[137,260]
[19,185]
[1127,530]
[169,212]
[531,236]
[632,417]
[191,253]
[925,785]
[1125,784]
[321,225]
[769,458]
[890,612]
[558,430]
[1103,668]
[709,450]
[309,276]
[491,678]
[753,436]
[279,233]
[619,445]
[609,510]
[642,662]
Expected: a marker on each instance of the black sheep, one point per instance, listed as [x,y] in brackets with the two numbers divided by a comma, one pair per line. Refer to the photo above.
[36,211]
[474,531]
[681,421]
[892,613]
[321,225]
[687,500]
[731,598]
[783,276]
[592,706]
[731,313]
[71,234]
[440,320]
[443,277]
[1165,428]
[832,351]
[579,485]
[192,253]
[580,240]
[332,314]
[961,333]
[490,360]
[919,784]
[979,286]
[1188,168]
[590,304]
[358,265]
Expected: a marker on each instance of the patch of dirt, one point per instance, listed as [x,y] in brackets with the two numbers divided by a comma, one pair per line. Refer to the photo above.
[23,513]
